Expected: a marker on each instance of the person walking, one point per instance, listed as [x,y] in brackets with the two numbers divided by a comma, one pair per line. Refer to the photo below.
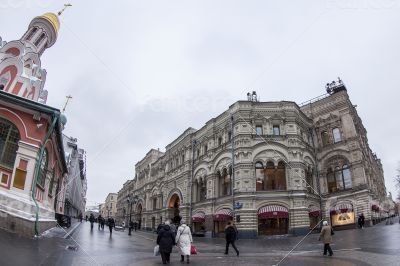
[166,241]
[230,237]
[361,221]
[99,221]
[131,225]
[326,237]
[91,220]
[183,241]
[111,224]
[102,222]
[159,227]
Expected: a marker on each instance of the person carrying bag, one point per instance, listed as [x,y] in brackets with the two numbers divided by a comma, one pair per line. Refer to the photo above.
[183,241]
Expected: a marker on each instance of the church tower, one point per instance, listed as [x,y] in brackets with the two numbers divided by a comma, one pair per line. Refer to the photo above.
[20,66]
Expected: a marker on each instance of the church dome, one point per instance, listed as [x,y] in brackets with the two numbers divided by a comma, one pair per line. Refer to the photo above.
[52,19]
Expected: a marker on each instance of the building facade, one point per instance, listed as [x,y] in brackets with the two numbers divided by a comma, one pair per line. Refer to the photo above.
[33,170]
[109,209]
[272,167]
[75,196]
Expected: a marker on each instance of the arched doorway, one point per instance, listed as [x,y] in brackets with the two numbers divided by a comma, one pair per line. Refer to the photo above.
[139,215]
[273,220]
[173,206]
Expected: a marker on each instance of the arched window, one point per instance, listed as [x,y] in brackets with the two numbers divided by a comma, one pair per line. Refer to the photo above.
[274,178]
[331,180]
[40,39]
[346,176]
[30,35]
[309,180]
[339,178]
[280,176]
[202,190]
[9,138]
[259,176]
[225,183]
[325,138]
[51,185]
[43,169]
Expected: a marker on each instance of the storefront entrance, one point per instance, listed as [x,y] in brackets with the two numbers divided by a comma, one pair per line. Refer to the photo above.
[173,211]
[273,226]
[273,220]
[221,219]
[342,215]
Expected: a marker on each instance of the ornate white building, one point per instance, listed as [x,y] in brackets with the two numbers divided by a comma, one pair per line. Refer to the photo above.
[292,167]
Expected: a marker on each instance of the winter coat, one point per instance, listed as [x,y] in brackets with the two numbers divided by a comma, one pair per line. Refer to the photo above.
[230,233]
[173,229]
[91,219]
[326,234]
[183,239]
[111,222]
[166,239]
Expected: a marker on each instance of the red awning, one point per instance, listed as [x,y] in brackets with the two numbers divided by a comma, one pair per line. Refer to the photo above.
[273,211]
[314,211]
[199,217]
[342,208]
[223,215]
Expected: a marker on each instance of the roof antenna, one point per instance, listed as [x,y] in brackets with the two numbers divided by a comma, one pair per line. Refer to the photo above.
[66,102]
[62,10]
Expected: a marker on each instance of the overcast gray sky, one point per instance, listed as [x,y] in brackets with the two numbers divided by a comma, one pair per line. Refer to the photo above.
[141,72]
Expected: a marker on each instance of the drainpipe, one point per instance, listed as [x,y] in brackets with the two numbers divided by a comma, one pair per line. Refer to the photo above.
[36,172]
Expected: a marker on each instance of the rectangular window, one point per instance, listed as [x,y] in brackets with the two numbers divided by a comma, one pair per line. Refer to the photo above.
[336,135]
[229,135]
[347,178]
[154,203]
[276,130]
[259,130]
[324,138]
[205,148]
[4,178]
[219,141]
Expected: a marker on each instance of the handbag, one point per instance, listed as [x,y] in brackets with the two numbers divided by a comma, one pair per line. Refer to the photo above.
[193,249]
[156,250]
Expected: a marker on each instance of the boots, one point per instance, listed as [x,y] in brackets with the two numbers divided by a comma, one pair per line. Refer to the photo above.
[187,259]
[182,258]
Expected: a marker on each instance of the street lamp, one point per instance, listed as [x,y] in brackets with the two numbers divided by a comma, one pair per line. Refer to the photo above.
[131,200]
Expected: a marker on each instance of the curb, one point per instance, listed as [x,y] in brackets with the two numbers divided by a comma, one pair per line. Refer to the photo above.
[70,232]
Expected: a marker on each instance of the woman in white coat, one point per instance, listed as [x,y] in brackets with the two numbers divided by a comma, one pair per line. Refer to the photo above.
[183,241]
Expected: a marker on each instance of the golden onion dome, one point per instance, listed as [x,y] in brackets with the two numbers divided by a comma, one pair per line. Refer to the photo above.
[52,19]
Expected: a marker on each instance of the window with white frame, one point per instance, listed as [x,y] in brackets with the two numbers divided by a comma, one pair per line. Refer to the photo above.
[276,131]
[337,137]
[259,130]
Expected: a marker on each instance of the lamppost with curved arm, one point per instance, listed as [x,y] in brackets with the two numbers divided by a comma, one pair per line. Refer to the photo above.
[131,200]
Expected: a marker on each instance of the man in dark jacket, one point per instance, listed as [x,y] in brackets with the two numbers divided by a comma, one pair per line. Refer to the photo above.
[361,221]
[166,240]
[160,226]
[91,220]
[111,224]
[230,237]
[99,220]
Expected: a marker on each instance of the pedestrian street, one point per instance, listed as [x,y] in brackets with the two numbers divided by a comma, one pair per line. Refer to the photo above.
[376,245]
